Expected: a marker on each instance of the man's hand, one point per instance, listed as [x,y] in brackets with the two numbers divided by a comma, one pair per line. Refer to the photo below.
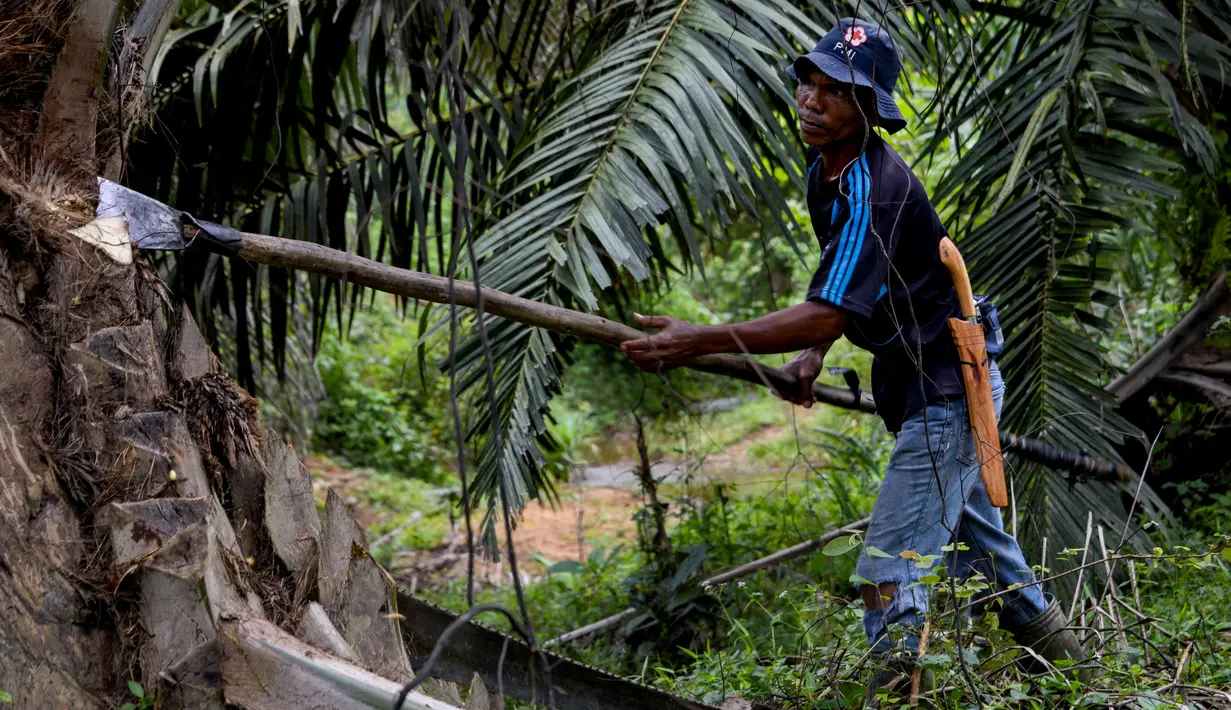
[677,342]
[805,325]
[806,366]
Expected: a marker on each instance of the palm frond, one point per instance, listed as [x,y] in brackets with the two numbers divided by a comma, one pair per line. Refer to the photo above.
[561,142]
[342,106]
[1076,127]
[674,123]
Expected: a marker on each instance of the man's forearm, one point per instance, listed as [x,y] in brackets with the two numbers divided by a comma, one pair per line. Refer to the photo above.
[796,328]
[800,327]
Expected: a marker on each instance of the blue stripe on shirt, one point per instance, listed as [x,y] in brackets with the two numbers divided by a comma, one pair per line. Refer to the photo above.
[851,253]
[834,291]
[829,292]
[862,229]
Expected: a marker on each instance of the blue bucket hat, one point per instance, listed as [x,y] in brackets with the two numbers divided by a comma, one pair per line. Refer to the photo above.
[860,53]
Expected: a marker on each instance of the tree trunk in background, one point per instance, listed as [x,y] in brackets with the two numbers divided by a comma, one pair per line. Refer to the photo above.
[140,507]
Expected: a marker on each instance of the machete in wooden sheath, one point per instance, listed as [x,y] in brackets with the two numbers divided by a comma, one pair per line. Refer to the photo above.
[972,352]
[150,224]
[477,649]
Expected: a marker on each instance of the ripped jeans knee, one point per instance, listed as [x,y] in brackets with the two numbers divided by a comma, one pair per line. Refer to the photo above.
[897,623]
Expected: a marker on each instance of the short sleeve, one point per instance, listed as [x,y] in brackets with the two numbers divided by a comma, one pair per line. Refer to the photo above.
[854,269]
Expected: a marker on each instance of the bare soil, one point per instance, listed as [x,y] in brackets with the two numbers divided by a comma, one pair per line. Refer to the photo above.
[605,508]
[544,535]
[544,532]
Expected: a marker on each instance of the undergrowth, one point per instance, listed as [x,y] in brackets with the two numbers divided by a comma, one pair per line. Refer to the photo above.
[792,636]
[385,407]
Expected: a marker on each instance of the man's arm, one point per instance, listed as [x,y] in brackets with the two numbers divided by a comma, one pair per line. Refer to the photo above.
[800,327]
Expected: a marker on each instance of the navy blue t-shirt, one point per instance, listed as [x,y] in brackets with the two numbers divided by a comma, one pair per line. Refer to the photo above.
[880,263]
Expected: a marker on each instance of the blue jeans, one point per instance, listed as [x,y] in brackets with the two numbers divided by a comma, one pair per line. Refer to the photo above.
[933,495]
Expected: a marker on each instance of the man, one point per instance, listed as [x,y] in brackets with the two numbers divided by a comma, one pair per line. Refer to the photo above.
[881,284]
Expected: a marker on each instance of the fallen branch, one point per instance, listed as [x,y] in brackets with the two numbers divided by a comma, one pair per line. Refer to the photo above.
[1212,387]
[396,531]
[776,558]
[1179,671]
[790,553]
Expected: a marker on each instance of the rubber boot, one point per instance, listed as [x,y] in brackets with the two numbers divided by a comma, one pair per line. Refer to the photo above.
[1048,635]
[893,673]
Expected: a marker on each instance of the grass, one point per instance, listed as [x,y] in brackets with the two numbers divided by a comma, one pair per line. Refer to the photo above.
[792,635]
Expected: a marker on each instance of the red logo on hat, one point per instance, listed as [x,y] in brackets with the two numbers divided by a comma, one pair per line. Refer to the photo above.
[856,35]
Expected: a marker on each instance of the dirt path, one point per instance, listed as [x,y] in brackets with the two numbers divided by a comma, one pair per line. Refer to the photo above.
[608,501]
[544,535]
[606,516]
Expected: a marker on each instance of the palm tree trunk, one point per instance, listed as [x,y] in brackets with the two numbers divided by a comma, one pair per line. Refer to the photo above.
[141,508]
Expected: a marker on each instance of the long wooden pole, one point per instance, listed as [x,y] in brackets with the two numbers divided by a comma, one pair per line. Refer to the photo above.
[318,259]
[349,268]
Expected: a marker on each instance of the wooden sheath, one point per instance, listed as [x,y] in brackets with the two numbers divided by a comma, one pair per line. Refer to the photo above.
[972,351]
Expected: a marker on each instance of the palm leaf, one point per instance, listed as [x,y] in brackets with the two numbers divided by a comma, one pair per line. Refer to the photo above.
[560,142]
[1069,136]
[292,122]
[672,124]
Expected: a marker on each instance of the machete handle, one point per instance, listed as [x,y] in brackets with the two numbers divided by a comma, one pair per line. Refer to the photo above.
[953,261]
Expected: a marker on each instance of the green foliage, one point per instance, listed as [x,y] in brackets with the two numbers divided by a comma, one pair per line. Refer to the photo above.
[144,702]
[563,160]
[1195,228]
[763,653]
[748,271]
[669,144]
[832,490]
[674,611]
[564,599]
[751,271]
[620,140]
[801,646]
[380,409]
[571,429]
[623,140]
[602,379]
[792,635]
[1167,257]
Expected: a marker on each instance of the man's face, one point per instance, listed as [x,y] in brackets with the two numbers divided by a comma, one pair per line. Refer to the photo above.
[828,112]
